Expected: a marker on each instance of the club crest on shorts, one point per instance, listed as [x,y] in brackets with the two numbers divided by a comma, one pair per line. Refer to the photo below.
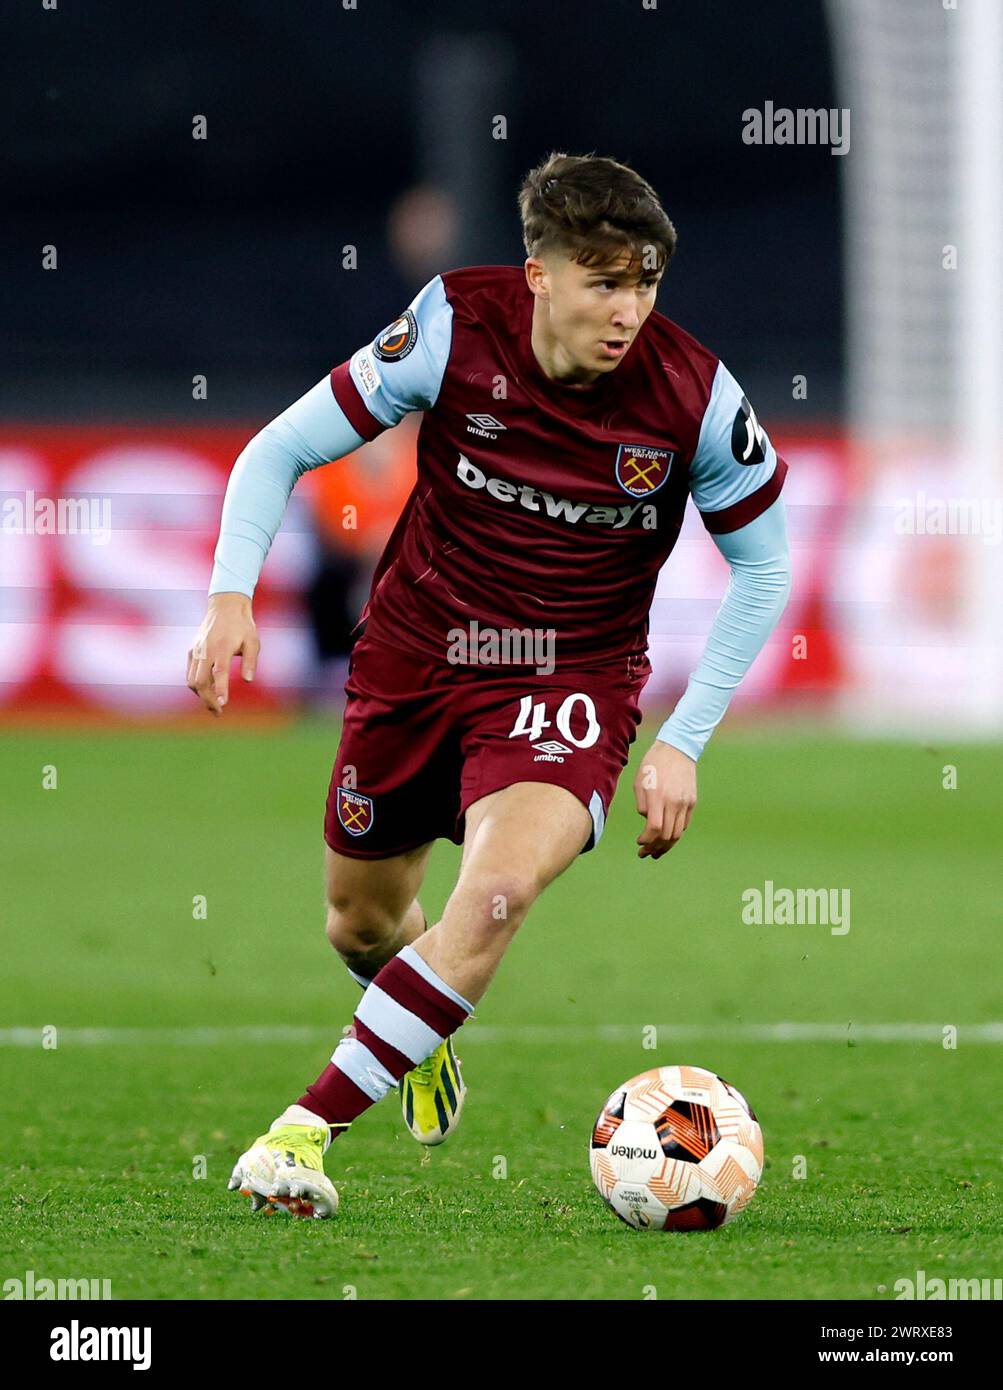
[355,812]
[640,469]
[397,341]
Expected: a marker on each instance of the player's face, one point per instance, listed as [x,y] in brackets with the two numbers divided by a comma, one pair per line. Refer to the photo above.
[587,317]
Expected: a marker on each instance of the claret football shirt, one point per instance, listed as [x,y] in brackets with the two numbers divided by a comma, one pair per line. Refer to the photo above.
[540,505]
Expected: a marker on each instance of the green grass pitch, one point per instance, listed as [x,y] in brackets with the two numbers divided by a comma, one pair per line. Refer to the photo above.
[106,1135]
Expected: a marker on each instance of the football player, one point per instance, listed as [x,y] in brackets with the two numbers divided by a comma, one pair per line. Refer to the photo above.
[493,690]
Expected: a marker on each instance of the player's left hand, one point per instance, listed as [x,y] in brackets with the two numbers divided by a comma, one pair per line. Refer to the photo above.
[665,790]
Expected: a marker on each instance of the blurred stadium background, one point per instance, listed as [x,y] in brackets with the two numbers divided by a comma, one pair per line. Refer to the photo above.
[201,285]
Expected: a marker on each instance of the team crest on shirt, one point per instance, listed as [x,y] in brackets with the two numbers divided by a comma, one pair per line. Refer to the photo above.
[355,812]
[640,469]
[397,341]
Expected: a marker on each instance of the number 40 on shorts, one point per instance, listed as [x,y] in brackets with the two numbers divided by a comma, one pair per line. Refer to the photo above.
[532,719]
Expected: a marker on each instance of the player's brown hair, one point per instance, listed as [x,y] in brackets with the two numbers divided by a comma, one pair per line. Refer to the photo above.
[595,209]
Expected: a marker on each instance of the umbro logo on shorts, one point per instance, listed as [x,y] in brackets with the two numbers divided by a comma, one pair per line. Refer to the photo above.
[551,750]
[355,812]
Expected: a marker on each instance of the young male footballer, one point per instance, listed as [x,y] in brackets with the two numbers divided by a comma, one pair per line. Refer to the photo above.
[493,694]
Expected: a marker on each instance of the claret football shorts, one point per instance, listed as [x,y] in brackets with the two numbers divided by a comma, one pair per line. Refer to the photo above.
[422,741]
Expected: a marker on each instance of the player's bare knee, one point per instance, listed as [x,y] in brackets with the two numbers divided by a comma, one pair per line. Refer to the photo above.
[356,929]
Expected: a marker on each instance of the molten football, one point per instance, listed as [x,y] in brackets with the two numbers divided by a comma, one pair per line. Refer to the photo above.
[676,1149]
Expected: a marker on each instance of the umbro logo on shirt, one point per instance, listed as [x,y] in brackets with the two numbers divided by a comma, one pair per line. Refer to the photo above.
[485,426]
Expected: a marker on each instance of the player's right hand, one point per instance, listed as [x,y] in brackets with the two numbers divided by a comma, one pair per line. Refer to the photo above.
[227,630]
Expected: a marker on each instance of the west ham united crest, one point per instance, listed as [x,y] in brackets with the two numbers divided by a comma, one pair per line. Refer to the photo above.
[641,470]
[355,812]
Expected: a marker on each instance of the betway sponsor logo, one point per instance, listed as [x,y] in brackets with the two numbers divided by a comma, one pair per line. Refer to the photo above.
[534,499]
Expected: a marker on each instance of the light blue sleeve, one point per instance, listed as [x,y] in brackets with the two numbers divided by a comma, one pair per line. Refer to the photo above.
[402,368]
[734,456]
[311,432]
[759,557]
[399,371]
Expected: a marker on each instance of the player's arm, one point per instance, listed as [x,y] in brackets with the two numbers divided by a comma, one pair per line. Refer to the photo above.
[401,370]
[735,478]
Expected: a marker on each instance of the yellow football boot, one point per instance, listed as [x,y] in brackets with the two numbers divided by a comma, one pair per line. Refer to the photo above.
[283,1170]
[432,1096]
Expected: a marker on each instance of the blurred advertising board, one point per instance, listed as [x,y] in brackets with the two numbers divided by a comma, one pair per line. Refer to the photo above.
[106,544]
